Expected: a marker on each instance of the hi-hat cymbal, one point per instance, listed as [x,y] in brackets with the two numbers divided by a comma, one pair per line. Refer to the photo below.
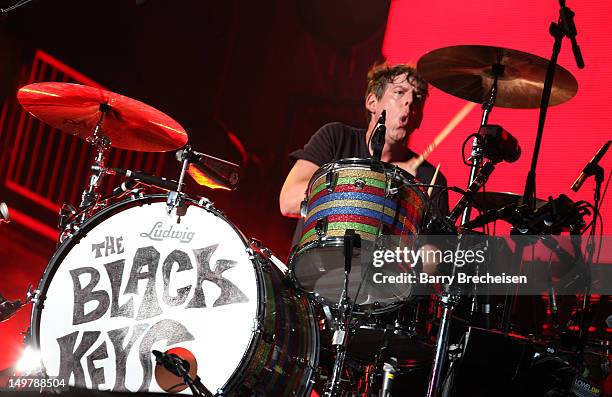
[76,109]
[465,71]
[485,201]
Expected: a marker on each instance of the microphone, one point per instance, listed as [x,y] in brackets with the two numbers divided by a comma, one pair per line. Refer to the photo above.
[157,181]
[125,186]
[378,136]
[388,376]
[182,364]
[567,19]
[588,169]
[172,363]
[498,144]
[4,213]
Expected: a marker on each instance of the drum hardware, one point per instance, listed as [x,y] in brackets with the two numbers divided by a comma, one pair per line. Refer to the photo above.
[450,296]
[180,367]
[331,179]
[256,247]
[378,137]
[210,171]
[344,311]
[564,27]
[321,227]
[101,142]
[176,197]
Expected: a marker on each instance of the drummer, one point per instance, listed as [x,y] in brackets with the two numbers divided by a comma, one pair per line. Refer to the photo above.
[402,93]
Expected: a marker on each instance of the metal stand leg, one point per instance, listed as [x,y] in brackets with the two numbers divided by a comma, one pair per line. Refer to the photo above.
[340,339]
[449,302]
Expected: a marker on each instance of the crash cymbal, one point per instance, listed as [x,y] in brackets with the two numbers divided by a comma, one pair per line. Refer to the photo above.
[464,71]
[485,201]
[76,109]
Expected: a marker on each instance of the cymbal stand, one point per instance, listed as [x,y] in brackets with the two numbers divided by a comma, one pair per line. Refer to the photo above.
[341,333]
[175,198]
[90,196]
[450,297]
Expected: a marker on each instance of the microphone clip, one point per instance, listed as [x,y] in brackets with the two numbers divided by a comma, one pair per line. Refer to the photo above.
[378,136]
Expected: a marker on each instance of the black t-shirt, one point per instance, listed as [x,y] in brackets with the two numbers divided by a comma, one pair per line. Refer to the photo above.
[335,141]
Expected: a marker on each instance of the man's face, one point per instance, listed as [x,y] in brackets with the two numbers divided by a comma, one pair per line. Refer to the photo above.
[404,108]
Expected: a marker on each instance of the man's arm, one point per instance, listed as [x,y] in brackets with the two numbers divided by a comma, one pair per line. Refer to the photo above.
[294,188]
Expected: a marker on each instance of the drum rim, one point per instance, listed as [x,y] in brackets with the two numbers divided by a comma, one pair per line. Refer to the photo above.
[357,309]
[32,338]
[388,167]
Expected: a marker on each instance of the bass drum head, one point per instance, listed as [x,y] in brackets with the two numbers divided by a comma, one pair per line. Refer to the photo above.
[136,279]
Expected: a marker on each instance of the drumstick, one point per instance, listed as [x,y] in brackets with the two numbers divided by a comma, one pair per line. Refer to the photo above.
[433,179]
[461,114]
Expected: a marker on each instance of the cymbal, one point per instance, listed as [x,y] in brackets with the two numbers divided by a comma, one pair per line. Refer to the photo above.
[76,109]
[465,71]
[495,200]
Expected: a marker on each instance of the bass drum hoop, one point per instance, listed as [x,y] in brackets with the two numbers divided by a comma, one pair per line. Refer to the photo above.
[33,335]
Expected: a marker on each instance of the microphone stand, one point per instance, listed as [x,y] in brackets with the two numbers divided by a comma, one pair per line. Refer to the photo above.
[584,323]
[565,27]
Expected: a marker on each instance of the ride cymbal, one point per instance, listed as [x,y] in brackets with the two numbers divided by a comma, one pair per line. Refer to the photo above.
[465,71]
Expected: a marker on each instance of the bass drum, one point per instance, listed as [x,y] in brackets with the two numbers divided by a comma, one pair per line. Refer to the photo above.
[135,279]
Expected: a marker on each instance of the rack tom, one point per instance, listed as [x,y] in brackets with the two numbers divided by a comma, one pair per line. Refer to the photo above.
[374,199]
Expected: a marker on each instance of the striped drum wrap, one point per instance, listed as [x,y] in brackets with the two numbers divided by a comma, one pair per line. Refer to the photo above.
[359,198]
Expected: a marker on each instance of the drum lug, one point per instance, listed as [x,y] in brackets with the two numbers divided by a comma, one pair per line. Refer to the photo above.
[331,179]
[256,250]
[267,337]
[321,227]
[304,208]
[359,183]
[136,194]
[34,297]
[392,191]
[301,362]
[206,203]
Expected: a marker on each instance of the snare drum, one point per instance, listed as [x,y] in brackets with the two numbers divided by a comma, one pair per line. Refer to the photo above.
[136,279]
[374,199]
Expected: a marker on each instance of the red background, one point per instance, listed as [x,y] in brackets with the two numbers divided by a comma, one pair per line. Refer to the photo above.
[574,130]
